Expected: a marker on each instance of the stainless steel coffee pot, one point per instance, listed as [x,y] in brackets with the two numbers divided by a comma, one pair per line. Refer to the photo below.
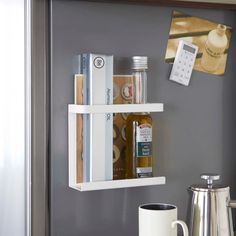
[209,212]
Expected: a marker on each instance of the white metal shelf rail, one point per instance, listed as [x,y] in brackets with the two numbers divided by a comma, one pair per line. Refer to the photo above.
[91,109]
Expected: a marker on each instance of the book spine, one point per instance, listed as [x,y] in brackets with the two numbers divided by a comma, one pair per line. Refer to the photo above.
[78,99]
[86,119]
[109,120]
[98,70]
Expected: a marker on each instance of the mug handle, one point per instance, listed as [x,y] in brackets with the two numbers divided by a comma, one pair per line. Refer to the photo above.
[183,225]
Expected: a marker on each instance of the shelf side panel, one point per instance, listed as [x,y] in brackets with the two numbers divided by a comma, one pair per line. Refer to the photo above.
[72,148]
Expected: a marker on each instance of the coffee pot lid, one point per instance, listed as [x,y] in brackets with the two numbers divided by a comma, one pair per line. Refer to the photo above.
[209,185]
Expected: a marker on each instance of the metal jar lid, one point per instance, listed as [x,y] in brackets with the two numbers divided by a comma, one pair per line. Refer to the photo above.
[209,186]
[140,63]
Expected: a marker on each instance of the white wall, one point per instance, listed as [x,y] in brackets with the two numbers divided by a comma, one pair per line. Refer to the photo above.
[12,119]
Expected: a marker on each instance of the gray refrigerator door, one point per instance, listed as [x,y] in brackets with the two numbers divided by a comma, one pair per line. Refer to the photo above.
[194,134]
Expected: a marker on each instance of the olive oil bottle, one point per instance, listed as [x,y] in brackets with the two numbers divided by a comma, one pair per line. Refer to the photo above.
[139,126]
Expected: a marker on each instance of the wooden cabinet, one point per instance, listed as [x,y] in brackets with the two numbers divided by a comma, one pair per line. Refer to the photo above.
[214,4]
[211,1]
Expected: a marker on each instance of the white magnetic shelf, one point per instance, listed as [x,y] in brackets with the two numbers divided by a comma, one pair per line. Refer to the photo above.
[112,184]
[118,108]
[124,183]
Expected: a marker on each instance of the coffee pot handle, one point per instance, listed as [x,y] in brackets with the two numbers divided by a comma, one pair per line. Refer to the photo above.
[232,204]
[183,225]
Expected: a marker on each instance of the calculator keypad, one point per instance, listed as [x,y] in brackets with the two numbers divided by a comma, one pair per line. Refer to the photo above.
[184,63]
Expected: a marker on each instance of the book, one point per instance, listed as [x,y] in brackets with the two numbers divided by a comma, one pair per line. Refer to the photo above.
[98,90]
[78,99]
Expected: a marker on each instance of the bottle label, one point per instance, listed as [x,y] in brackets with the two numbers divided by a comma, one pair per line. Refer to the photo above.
[143,172]
[212,53]
[144,140]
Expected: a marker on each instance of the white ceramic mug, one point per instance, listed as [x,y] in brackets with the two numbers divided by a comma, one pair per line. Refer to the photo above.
[159,219]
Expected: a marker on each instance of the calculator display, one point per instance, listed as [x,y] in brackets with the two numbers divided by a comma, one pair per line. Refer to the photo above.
[189,49]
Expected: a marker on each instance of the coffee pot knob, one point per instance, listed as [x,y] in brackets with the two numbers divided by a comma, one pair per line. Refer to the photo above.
[210,178]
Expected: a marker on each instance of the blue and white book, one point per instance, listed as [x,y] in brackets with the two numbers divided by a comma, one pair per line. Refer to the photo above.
[98,128]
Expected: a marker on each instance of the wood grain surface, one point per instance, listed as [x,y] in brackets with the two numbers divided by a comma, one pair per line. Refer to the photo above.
[213,4]
[78,96]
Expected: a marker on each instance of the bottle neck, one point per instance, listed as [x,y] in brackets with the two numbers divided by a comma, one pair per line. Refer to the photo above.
[139,86]
[221,30]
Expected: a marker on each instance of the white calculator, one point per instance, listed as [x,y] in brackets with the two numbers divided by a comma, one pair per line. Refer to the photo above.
[184,62]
